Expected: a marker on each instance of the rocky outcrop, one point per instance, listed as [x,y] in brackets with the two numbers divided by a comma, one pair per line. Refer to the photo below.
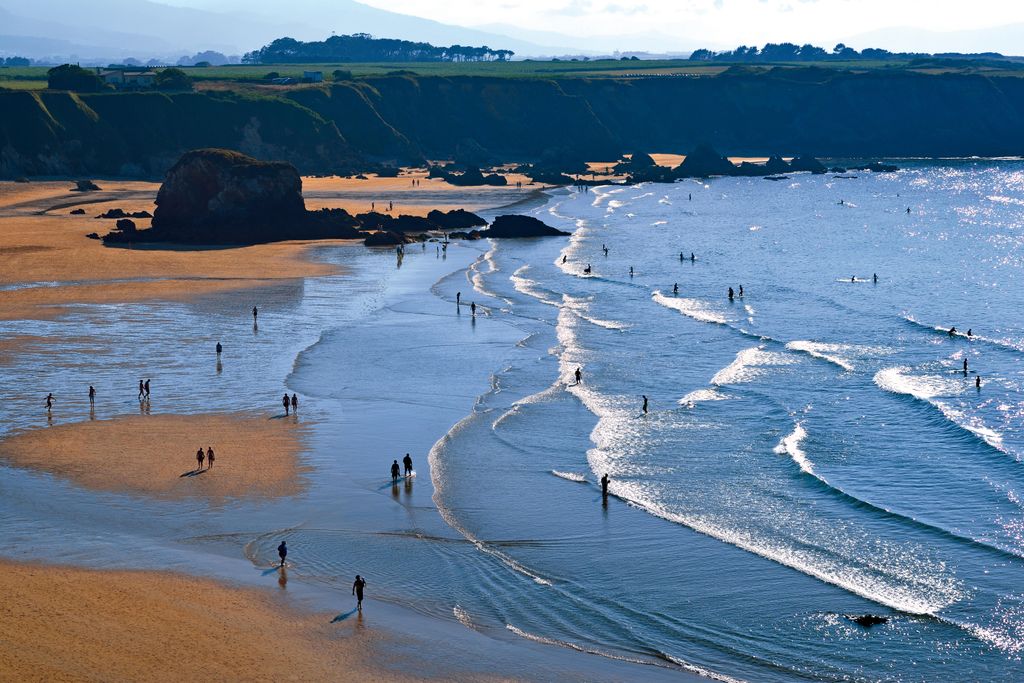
[704,162]
[775,165]
[385,239]
[806,163]
[456,219]
[121,213]
[216,196]
[521,226]
[85,186]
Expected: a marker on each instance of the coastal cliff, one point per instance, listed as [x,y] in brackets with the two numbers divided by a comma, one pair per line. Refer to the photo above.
[345,127]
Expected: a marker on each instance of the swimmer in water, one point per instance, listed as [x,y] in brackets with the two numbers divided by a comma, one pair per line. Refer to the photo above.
[564,258]
[645,404]
[587,269]
[969,333]
[952,331]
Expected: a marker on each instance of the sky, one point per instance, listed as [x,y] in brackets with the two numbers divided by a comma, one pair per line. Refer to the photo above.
[723,22]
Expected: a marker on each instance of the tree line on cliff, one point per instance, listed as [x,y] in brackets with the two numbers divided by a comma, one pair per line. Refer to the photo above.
[362,47]
[791,52]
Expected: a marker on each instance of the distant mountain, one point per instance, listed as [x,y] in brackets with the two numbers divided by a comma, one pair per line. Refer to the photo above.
[100,29]
[1007,39]
[648,42]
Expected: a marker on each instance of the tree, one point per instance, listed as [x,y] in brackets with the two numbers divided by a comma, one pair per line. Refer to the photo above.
[172,79]
[74,77]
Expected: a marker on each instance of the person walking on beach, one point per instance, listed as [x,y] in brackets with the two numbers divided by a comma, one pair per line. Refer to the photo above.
[282,552]
[142,389]
[92,394]
[295,404]
[472,308]
[146,386]
[199,458]
[645,403]
[209,457]
[357,590]
[395,471]
[286,402]
[255,312]
[407,461]
[604,486]
[579,375]
[219,348]
[49,402]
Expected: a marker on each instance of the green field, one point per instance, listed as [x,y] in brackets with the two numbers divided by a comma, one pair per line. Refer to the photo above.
[34,77]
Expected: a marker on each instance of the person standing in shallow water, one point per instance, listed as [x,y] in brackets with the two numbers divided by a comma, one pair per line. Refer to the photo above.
[286,403]
[357,590]
[92,394]
[579,375]
[645,404]
[282,552]
[472,309]
[219,348]
[295,404]
[255,312]
[49,402]
[407,461]
[977,382]
[142,389]
[730,294]
[458,298]
[395,471]
[146,385]
[604,485]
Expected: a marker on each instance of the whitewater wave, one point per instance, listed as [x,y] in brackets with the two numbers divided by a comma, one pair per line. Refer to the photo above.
[1004,342]
[828,352]
[531,288]
[749,365]
[930,389]
[692,308]
[701,396]
[571,476]
[790,445]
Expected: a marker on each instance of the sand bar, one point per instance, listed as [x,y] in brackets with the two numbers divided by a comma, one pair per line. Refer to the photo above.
[256,456]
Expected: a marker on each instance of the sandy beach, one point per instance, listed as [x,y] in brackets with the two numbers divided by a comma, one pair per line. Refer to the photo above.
[256,456]
[66,624]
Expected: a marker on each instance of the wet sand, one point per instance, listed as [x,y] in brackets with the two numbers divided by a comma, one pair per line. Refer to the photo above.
[66,624]
[256,456]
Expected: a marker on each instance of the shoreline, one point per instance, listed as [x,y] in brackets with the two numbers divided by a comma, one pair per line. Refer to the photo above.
[493,656]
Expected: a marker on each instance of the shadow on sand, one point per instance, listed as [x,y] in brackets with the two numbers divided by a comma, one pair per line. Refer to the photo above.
[193,473]
[346,615]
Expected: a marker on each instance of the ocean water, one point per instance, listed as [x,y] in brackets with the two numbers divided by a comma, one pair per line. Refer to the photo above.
[813,450]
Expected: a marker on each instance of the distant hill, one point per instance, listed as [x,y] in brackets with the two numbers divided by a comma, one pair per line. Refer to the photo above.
[100,29]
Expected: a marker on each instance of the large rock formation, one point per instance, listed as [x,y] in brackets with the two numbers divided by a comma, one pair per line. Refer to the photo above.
[521,226]
[456,219]
[216,196]
[703,162]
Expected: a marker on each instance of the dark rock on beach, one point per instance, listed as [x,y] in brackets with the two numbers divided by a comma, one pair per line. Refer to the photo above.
[85,186]
[521,226]
[456,219]
[704,162]
[384,239]
[77,212]
[216,196]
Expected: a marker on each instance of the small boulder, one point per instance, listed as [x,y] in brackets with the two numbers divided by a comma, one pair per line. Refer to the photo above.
[85,186]
[93,236]
[868,620]
[77,212]
[125,225]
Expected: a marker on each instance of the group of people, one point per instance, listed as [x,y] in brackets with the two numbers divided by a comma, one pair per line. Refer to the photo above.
[143,390]
[396,470]
[209,457]
[357,586]
[732,294]
[970,335]
[458,303]
[292,403]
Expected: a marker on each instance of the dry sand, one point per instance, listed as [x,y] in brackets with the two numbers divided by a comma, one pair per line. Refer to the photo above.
[64,624]
[256,456]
